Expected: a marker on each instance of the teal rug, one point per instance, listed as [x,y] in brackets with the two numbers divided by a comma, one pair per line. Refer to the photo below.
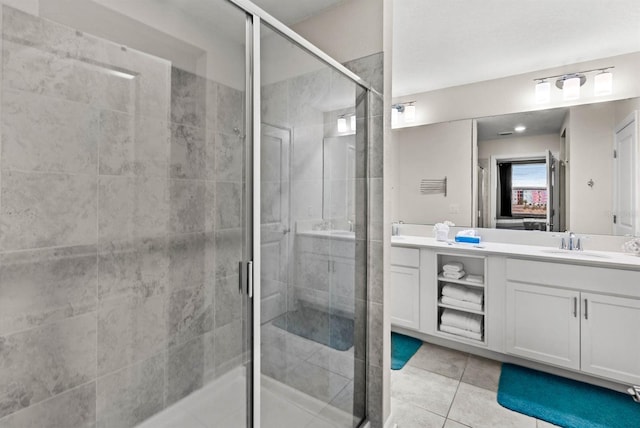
[565,402]
[402,349]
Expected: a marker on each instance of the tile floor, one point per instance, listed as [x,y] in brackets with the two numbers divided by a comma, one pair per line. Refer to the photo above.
[443,388]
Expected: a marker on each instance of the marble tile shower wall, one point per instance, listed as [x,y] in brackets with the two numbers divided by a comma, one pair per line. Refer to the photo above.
[119,230]
[369,191]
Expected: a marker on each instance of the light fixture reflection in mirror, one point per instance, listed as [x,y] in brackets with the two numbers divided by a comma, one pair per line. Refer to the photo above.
[342,124]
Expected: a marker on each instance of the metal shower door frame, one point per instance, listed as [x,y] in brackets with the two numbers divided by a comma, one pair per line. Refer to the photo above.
[250,265]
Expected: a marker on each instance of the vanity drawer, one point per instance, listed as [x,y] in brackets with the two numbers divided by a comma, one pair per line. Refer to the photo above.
[401,256]
[577,276]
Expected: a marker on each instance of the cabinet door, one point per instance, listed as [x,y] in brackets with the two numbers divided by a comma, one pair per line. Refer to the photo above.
[343,274]
[405,297]
[610,338]
[543,324]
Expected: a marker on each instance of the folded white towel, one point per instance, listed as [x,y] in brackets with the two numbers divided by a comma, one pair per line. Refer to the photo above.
[453,267]
[454,275]
[478,279]
[460,292]
[463,320]
[460,332]
[461,303]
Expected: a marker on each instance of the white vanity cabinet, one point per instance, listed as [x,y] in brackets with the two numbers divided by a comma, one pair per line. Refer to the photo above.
[324,271]
[405,287]
[554,316]
[543,324]
[610,337]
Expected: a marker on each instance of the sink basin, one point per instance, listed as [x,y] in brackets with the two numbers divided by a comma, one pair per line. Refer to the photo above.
[575,253]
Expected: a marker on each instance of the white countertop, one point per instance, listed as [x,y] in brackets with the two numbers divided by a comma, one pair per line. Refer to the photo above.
[591,258]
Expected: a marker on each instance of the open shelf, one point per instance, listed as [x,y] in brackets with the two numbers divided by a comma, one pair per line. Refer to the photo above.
[458,308]
[459,281]
[475,265]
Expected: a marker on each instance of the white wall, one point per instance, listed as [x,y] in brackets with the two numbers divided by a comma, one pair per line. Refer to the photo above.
[591,158]
[518,146]
[351,29]
[433,152]
[191,41]
[29,6]
[516,93]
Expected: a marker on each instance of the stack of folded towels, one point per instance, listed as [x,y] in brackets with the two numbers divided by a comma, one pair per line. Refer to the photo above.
[461,323]
[453,270]
[462,297]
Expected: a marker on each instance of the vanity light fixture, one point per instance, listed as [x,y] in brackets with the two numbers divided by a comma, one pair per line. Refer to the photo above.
[543,91]
[570,84]
[520,128]
[603,83]
[410,113]
[406,111]
[342,124]
[394,115]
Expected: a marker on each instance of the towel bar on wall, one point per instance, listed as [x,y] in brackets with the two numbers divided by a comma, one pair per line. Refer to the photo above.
[433,186]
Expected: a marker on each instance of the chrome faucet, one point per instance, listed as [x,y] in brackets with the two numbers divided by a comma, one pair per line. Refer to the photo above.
[571,244]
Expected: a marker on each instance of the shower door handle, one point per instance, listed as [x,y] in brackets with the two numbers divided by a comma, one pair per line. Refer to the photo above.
[250,279]
[245,277]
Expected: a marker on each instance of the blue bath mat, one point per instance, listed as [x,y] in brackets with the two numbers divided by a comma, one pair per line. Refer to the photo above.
[565,402]
[402,349]
[332,330]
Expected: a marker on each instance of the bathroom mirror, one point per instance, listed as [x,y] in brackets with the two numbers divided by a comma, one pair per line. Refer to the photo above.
[338,185]
[570,168]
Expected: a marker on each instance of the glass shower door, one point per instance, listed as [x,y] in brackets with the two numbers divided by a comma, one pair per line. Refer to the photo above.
[313,241]
[122,214]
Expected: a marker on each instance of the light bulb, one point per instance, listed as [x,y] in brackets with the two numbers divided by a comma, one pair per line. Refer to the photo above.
[353,122]
[543,92]
[603,84]
[520,128]
[410,113]
[571,89]
[342,124]
[394,116]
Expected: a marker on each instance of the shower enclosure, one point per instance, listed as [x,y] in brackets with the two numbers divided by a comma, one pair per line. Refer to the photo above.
[183,219]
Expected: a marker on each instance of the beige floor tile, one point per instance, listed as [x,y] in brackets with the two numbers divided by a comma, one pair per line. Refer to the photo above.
[443,361]
[544,424]
[340,362]
[482,372]
[322,423]
[409,416]
[424,389]
[453,424]
[479,408]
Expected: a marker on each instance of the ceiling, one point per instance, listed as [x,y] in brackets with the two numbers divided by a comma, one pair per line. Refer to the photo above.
[292,12]
[542,122]
[439,44]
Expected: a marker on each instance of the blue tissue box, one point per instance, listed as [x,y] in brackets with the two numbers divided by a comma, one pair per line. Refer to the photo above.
[468,239]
